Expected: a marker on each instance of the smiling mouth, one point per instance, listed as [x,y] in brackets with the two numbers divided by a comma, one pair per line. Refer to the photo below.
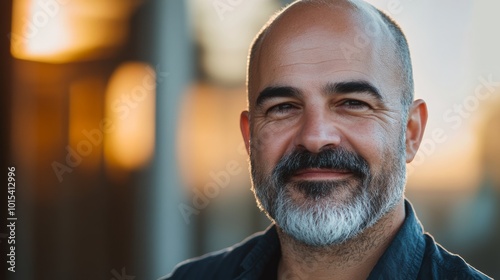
[318,174]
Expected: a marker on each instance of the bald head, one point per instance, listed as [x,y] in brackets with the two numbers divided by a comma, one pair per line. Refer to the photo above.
[353,31]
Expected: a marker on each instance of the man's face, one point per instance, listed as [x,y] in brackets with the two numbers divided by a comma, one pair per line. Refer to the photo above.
[327,142]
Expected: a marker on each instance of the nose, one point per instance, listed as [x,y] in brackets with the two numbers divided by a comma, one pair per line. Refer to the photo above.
[318,131]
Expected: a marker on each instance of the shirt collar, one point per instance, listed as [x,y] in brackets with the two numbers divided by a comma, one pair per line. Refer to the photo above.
[403,258]
[255,262]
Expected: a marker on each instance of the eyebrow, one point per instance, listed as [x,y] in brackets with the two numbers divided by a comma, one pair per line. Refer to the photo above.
[276,91]
[353,86]
[330,88]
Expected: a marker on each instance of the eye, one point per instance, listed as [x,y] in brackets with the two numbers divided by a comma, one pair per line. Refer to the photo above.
[355,104]
[280,109]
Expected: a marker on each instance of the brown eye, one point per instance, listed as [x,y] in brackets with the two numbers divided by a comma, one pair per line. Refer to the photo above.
[355,104]
[281,108]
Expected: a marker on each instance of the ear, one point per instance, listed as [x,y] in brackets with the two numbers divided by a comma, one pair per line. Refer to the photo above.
[245,129]
[415,128]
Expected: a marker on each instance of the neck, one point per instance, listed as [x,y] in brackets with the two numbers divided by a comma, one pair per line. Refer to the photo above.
[353,259]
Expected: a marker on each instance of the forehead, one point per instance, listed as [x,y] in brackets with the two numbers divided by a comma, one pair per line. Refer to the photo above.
[328,43]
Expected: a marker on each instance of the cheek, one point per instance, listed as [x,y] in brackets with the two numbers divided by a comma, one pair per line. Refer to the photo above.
[268,145]
[372,142]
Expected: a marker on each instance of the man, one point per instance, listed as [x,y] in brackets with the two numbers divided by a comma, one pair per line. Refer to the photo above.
[330,127]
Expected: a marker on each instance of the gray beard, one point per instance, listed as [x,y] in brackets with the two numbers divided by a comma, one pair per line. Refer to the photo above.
[322,219]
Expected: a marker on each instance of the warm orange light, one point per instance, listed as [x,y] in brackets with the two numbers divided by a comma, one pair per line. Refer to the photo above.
[59,31]
[209,139]
[130,115]
[86,133]
[450,165]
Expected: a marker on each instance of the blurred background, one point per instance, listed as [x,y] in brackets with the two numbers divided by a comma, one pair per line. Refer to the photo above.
[121,118]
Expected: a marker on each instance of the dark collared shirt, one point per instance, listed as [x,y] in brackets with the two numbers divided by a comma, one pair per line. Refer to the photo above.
[412,254]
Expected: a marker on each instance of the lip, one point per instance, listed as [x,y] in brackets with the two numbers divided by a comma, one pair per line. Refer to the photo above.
[321,174]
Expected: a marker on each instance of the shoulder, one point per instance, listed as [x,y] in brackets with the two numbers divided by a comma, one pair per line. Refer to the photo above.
[223,264]
[438,263]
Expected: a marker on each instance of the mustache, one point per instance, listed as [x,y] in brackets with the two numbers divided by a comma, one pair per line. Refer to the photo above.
[336,158]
